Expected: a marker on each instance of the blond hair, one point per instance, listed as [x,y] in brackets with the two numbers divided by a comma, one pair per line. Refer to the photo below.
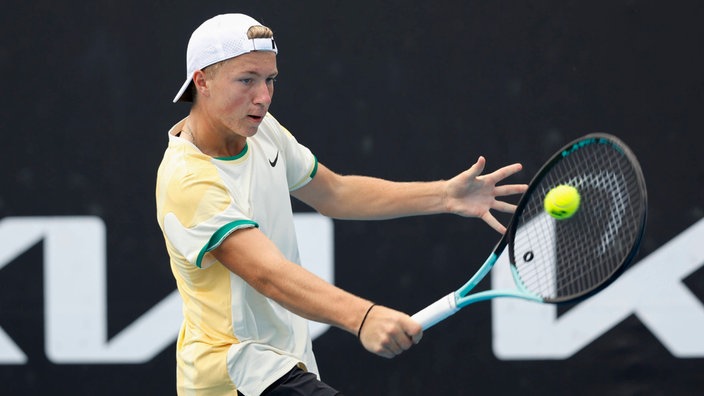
[259,31]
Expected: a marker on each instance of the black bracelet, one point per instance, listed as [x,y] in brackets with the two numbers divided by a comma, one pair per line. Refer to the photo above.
[359,332]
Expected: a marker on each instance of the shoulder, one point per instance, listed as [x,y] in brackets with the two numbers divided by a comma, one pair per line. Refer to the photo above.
[270,126]
[270,123]
[183,162]
[186,180]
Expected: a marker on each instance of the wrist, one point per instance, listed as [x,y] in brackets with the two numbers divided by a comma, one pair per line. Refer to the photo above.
[445,196]
[364,319]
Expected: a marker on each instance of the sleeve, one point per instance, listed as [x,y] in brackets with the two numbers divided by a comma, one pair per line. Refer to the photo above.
[301,164]
[200,214]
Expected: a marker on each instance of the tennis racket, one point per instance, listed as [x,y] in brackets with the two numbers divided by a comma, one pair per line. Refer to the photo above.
[558,261]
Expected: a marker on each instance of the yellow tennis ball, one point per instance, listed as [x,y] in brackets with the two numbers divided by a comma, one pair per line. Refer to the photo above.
[562,202]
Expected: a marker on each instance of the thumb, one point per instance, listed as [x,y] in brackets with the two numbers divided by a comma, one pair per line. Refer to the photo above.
[413,330]
[478,167]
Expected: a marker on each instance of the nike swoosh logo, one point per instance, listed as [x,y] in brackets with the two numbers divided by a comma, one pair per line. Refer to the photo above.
[273,163]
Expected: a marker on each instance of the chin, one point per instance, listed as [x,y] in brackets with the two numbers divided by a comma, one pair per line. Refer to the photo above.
[248,132]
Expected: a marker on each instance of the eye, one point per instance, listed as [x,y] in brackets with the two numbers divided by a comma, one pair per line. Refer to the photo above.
[271,80]
[246,81]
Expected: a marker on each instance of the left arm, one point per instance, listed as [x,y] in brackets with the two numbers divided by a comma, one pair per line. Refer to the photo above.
[469,194]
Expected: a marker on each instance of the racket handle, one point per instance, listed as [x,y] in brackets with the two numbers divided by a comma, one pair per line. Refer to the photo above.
[436,311]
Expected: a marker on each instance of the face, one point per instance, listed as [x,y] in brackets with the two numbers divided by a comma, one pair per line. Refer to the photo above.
[239,92]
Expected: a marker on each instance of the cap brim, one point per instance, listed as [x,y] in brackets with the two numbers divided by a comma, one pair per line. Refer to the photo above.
[183,95]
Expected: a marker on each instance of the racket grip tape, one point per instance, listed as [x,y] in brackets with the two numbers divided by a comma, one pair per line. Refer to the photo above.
[437,311]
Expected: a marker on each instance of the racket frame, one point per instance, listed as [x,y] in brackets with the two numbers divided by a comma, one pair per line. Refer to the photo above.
[453,302]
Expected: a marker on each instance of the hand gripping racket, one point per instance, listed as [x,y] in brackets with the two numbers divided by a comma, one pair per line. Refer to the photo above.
[557,261]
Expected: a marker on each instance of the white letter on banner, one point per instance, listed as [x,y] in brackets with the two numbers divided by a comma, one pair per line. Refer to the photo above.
[75,290]
[652,290]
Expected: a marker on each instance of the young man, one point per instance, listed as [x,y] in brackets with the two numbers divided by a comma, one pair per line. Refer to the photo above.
[223,204]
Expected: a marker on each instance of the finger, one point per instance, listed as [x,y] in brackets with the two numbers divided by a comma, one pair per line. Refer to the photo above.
[393,348]
[386,354]
[510,189]
[493,223]
[413,330]
[404,342]
[385,349]
[506,171]
[504,207]
[417,337]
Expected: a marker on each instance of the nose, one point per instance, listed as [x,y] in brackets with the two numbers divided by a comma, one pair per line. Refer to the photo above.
[263,93]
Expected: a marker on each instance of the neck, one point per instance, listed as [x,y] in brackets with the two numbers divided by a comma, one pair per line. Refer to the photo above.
[211,141]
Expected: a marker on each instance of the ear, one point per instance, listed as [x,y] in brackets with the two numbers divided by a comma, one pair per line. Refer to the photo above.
[201,83]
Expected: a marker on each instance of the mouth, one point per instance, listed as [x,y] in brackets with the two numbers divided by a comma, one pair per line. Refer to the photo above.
[255,118]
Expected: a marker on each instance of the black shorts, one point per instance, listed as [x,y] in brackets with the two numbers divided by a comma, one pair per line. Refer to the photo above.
[299,383]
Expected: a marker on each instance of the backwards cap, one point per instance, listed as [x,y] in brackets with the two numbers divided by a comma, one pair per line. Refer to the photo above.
[217,39]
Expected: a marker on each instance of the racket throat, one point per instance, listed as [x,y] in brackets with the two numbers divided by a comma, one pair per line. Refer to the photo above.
[491,294]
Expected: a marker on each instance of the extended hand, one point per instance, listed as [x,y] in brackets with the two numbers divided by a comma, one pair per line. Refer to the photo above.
[472,194]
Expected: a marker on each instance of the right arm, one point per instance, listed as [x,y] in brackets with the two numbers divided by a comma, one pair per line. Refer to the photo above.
[252,256]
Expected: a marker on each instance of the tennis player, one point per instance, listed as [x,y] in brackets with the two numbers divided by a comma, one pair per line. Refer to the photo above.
[223,203]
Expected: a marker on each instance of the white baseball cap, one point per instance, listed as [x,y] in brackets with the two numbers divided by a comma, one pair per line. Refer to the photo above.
[217,39]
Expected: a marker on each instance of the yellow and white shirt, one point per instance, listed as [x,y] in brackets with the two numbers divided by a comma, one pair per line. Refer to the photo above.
[232,336]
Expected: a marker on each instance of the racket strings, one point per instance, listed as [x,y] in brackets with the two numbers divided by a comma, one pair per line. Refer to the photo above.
[560,259]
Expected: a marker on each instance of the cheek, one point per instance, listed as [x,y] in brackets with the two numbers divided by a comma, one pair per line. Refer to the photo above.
[234,103]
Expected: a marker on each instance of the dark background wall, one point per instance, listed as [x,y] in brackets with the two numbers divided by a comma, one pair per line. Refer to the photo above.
[405,90]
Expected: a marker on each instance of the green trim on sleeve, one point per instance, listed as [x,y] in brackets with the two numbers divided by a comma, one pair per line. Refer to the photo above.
[315,168]
[220,236]
[306,179]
